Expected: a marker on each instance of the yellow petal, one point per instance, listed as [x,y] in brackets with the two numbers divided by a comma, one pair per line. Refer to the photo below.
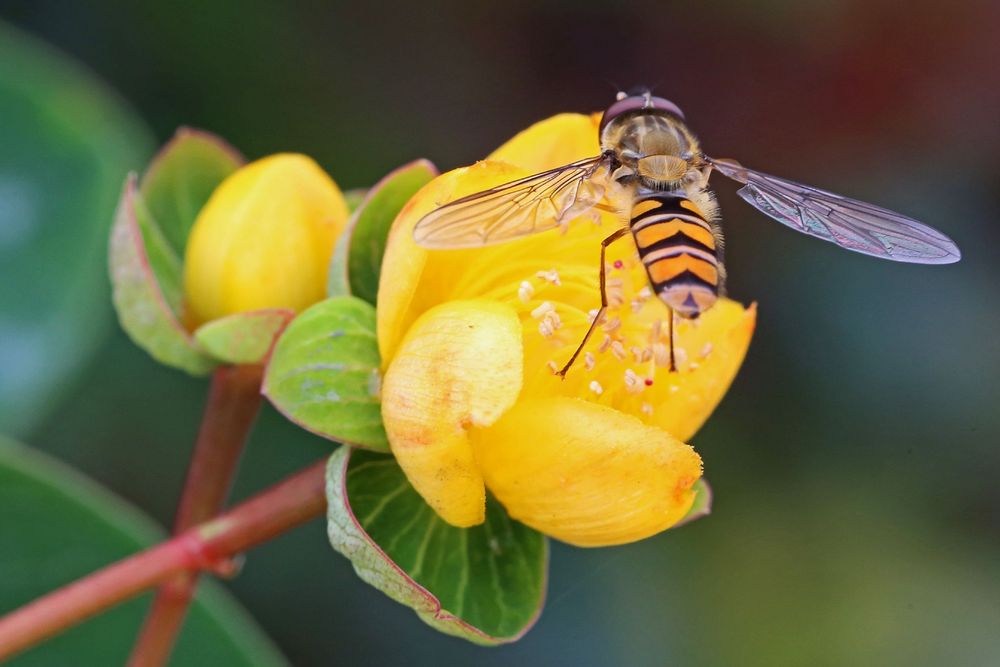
[406,287]
[459,366]
[709,353]
[553,142]
[717,344]
[264,239]
[586,474]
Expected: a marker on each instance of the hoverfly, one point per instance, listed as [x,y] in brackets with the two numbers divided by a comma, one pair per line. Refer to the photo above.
[654,173]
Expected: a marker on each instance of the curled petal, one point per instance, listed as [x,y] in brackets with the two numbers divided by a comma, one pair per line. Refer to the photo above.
[584,473]
[459,366]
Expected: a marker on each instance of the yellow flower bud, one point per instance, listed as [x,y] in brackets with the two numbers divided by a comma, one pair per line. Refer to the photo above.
[263,240]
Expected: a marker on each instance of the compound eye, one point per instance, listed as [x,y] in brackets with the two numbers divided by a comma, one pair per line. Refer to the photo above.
[624,104]
[663,104]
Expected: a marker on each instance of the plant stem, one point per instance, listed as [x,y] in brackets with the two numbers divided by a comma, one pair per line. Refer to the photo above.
[207,546]
[233,401]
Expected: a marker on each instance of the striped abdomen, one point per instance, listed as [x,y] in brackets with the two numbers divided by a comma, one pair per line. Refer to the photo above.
[678,248]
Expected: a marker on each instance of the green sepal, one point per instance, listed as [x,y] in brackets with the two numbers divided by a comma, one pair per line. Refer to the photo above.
[324,373]
[485,584]
[182,177]
[702,503]
[243,338]
[354,197]
[144,307]
[357,259]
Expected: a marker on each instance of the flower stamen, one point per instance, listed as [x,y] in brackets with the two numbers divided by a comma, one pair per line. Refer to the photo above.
[551,276]
[542,309]
[525,291]
[550,323]
[633,383]
[612,325]
[654,331]
[661,354]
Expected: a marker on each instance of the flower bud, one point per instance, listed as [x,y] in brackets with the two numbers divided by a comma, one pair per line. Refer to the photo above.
[263,240]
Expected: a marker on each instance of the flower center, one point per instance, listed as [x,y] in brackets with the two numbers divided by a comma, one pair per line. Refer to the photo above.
[626,362]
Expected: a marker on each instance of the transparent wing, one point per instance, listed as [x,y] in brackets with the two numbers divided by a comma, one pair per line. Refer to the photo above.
[525,206]
[849,223]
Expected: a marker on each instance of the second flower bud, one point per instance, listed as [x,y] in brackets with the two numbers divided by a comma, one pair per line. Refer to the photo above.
[263,240]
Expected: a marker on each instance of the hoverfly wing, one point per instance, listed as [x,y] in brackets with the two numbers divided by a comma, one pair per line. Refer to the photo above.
[851,224]
[519,208]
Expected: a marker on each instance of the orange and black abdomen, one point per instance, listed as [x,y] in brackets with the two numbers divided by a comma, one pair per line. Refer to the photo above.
[679,250]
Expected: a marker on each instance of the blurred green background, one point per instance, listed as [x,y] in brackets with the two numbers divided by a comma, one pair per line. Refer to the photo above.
[855,460]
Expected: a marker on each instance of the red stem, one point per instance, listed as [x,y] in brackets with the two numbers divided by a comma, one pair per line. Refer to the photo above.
[208,546]
[233,402]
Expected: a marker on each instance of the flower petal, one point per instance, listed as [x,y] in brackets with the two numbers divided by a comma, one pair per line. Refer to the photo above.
[470,273]
[709,353]
[718,344]
[406,289]
[459,366]
[584,473]
[553,142]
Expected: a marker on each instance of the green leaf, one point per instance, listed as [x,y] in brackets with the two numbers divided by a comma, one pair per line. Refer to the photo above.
[243,338]
[702,503]
[324,373]
[144,282]
[58,526]
[485,584]
[359,252]
[182,177]
[66,140]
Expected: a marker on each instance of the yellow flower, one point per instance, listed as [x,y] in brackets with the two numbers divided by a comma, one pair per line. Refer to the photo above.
[263,240]
[469,339]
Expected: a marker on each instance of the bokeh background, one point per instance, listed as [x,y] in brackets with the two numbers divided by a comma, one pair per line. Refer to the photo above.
[856,459]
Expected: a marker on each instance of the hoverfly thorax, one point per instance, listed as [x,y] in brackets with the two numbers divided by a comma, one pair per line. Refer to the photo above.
[650,140]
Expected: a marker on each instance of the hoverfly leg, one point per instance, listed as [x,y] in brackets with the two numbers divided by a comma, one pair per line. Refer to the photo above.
[673,365]
[607,208]
[604,301]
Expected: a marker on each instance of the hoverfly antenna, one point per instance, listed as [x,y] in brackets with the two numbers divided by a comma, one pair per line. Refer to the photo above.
[619,93]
